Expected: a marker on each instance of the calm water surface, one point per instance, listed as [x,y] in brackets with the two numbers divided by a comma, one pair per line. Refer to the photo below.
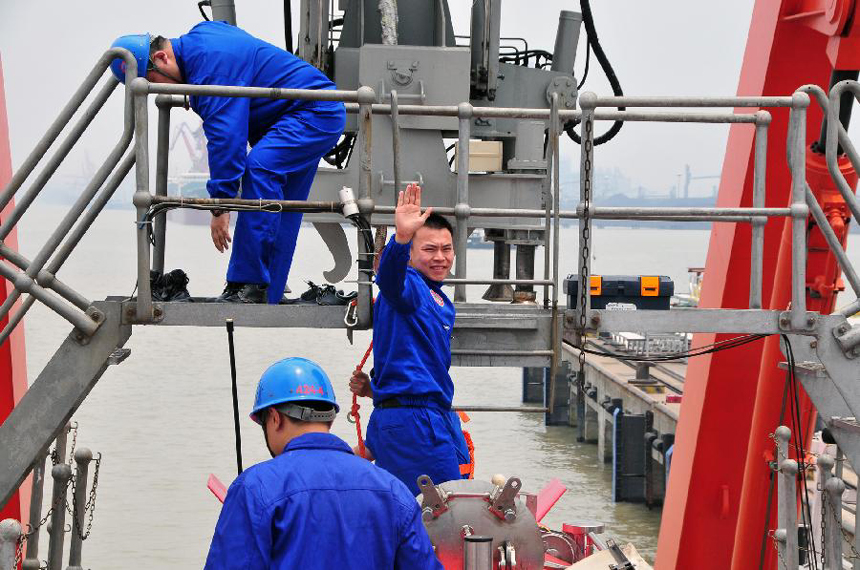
[163,419]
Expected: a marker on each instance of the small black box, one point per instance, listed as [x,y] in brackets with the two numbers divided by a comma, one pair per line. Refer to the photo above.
[644,292]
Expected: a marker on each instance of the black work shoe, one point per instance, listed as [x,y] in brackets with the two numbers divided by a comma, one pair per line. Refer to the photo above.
[169,287]
[243,293]
[321,295]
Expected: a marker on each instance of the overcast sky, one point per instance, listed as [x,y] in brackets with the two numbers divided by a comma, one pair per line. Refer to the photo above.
[671,47]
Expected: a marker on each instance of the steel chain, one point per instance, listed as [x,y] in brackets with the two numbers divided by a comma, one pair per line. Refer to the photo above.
[779,553]
[837,520]
[89,506]
[585,234]
[33,530]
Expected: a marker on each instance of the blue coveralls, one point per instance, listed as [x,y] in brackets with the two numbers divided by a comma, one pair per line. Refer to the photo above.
[288,138]
[412,325]
[318,506]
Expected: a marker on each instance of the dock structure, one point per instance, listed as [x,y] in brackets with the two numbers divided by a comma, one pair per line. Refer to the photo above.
[630,410]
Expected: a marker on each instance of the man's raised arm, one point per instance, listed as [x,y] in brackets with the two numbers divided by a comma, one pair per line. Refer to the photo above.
[391,276]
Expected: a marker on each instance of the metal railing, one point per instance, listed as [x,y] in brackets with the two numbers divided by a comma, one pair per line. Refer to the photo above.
[38,277]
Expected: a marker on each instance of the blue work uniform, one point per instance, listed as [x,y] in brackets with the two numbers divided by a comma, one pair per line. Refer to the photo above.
[318,506]
[412,430]
[288,138]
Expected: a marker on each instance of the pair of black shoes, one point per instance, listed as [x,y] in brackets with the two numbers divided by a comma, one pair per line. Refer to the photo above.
[243,293]
[322,295]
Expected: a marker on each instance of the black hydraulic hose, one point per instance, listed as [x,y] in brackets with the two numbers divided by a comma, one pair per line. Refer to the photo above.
[202,12]
[288,25]
[229,324]
[594,42]
[846,104]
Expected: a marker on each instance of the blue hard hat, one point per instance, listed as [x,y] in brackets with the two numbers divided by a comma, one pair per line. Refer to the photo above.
[138,45]
[293,380]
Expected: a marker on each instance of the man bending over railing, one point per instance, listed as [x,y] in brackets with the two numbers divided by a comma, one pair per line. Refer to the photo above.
[287,137]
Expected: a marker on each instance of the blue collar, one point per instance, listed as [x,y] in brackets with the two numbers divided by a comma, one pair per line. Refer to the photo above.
[318,441]
[177,53]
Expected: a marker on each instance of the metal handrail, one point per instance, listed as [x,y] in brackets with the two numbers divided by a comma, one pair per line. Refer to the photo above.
[36,278]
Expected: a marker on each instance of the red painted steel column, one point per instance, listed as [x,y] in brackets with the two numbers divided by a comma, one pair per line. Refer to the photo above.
[700,516]
[13,363]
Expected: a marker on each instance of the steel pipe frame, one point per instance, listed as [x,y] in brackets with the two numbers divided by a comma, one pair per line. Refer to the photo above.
[787,500]
[142,197]
[796,143]
[74,213]
[23,283]
[815,209]
[758,223]
[83,456]
[524,409]
[31,561]
[365,96]
[462,209]
[164,103]
[46,279]
[554,196]
[252,92]
[61,473]
[243,203]
[395,142]
[834,139]
[71,242]
[51,167]
[63,118]
[456,281]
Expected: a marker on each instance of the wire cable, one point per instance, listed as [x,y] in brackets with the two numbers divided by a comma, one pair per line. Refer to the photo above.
[718,346]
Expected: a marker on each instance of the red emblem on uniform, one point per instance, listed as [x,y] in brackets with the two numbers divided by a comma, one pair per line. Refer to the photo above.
[437,297]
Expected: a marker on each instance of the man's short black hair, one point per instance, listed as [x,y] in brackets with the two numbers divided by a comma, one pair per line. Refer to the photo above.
[157,43]
[436,222]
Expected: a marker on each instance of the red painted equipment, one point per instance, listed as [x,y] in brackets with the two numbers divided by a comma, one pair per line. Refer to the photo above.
[548,497]
[13,362]
[717,493]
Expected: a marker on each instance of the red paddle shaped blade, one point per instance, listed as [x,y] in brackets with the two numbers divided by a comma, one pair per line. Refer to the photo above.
[548,497]
[217,487]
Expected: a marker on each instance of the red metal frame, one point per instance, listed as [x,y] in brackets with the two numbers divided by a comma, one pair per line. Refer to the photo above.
[13,362]
[716,506]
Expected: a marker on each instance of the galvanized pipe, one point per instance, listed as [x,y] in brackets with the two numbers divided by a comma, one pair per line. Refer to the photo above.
[849,310]
[844,141]
[25,284]
[46,278]
[61,473]
[395,141]
[548,205]
[83,456]
[462,209]
[555,336]
[788,508]
[833,489]
[456,281]
[63,118]
[799,209]
[227,203]
[74,213]
[31,562]
[627,101]
[161,160]
[65,147]
[10,533]
[522,409]
[832,145]
[489,352]
[759,173]
[71,242]
[252,92]
[142,198]
[833,242]
[365,96]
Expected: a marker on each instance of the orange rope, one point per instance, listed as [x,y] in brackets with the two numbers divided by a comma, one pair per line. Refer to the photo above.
[468,469]
[355,407]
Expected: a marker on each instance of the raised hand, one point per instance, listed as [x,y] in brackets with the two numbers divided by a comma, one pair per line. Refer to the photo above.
[407,216]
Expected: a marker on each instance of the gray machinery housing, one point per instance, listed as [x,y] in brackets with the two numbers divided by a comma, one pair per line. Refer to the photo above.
[420,61]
